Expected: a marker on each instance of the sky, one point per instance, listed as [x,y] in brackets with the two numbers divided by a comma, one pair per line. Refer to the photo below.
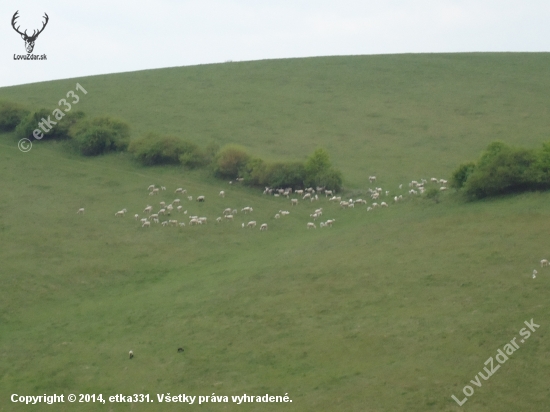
[100,36]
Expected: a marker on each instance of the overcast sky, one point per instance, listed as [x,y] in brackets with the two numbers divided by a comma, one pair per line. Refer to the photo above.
[100,36]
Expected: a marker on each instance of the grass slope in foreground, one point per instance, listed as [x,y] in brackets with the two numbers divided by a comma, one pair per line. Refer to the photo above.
[394,310]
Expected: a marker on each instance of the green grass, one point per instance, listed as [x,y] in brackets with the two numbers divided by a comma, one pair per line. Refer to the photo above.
[390,310]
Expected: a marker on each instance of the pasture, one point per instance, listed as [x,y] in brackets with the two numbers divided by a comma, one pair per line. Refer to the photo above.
[395,309]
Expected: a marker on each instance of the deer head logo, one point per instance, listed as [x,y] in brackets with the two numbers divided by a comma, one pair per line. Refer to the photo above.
[29,40]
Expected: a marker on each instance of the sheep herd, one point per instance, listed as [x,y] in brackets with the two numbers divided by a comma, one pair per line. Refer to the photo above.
[163,215]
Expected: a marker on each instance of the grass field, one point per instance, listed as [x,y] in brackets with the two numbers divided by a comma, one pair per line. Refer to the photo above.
[389,310]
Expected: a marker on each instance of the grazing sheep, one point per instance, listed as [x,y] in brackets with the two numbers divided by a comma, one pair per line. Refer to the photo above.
[277,216]
[120,213]
[178,190]
[176,202]
[222,193]
[155,191]
[136,216]
[162,211]
[351,205]
[311,224]
[151,193]
[372,179]
[306,196]
[299,192]
[314,216]
[165,223]
[194,222]
[143,220]
[343,203]
[227,211]
[252,223]
[173,222]
[246,209]
[146,224]
[242,225]
[182,224]
[263,227]
[131,353]
[203,220]
[442,188]
[148,209]
[384,204]
[162,188]
[322,224]
[155,220]
[369,209]
[234,212]
[179,209]
[151,187]
[400,186]
[162,204]
[443,181]
[543,262]
[80,211]
[284,212]
[330,222]
[200,198]
[189,198]
[434,180]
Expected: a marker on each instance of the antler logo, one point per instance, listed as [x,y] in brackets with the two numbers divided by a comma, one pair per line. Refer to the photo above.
[29,40]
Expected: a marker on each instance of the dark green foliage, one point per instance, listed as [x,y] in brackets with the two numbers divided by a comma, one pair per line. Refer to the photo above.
[153,149]
[292,174]
[433,193]
[461,174]
[503,169]
[101,135]
[255,172]
[231,162]
[319,171]
[11,115]
[58,131]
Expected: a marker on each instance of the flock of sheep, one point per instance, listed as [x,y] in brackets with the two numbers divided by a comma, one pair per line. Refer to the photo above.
[163,213]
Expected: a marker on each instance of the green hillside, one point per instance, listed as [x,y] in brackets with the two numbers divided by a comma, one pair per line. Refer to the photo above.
[392,309]
[402,116]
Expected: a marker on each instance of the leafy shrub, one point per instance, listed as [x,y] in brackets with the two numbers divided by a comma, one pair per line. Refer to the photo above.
[11,115]
[433,193]
[461,174]
[101,135]
[231,161]
[502,169]
[291,174]
[153,149]
[58,131]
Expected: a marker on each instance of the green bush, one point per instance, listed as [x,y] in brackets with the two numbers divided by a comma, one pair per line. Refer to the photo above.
[291,174]
[231,161]
[153,149]
[502,169]
[101,135]
[58,131]
[461,174]
[11,115]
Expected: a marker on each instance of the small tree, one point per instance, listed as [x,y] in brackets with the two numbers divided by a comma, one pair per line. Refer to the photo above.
[11,114]
[231,161]
[101,135]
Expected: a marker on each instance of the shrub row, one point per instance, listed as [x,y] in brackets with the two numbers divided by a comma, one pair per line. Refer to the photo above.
[233,161]
[100,135]
[503,169]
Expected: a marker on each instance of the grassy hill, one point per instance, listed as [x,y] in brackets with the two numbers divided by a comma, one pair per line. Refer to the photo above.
[390,310]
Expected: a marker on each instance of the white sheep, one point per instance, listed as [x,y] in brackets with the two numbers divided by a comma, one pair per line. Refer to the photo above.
[194,222]
[131,353]
[151,187]
[351,205]
[263,226]
[218,219]
[369,209]
[178,190]
[543,262]
[311,224]
[277,216]
[384,204]
[182,224]
[80,211]
[284,212]
[146,224]
[222,193]
[372,179]
[162,188]
[120,213]
[293,202]
[200,198]
[189,198]
[246,209]
[299,192]
[162,211]
[136,216]
[176,201]
[229,217]
[155,191]
[148,209]
[165,223]
[306,196]
[143,220]
[227,211]
[203,220]
[328,193]
[252,223]
[322,224]
[330,222]
[442,188]
[179,208]
[162,204]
